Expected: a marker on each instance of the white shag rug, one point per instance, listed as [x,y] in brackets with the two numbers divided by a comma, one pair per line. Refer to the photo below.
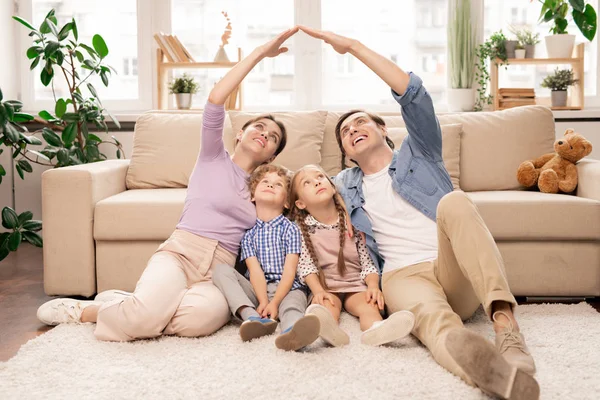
[69,363]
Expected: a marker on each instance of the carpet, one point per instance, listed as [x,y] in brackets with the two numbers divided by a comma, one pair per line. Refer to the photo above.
[68,362]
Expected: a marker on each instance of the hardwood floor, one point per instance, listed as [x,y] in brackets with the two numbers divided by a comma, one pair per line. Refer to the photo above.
[22,292]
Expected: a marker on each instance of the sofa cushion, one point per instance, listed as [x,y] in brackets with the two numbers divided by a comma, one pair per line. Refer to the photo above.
[528,215]
[142,214]
[304,135]
[165,148]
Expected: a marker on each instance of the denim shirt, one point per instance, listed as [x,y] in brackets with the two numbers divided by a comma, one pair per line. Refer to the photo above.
[417,168]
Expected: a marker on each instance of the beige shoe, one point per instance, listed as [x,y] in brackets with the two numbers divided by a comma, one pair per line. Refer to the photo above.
[330,330]
[488,370]
[397,326]
[511,344]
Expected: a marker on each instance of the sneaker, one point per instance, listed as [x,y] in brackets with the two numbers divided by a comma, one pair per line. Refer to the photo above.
[396,326]
[330,330]
[511,344]
[255,327]
[304,332]
[63,311]
[109,295]
[488,369]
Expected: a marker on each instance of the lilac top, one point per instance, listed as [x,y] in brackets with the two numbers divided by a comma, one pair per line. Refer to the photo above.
[217,205]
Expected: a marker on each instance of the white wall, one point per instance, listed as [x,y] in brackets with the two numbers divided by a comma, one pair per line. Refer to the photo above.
[9,85]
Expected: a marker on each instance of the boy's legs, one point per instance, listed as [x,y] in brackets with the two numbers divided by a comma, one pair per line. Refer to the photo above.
[235,287]
[292,308]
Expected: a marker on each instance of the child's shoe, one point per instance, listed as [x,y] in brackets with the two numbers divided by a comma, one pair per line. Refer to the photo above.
[255,327]
[395,327]
[301,334]
[330,331]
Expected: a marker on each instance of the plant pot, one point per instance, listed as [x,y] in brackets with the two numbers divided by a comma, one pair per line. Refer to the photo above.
[560,46]
[510,46]
[559,98]
[530,51]
[520,53]
[460,100]
[183,100]
[221,56]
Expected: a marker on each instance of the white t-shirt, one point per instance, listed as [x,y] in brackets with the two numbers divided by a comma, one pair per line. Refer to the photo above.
[404,235]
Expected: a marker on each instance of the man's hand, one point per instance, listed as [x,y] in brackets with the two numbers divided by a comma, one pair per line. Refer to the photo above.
[323,296]
[273,47]
[374,296]
[270,311]
[341,44]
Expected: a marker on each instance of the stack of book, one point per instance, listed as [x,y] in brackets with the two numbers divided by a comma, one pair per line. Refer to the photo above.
[516,97]
[172,48]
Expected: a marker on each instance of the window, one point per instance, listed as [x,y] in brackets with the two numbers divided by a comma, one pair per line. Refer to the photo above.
[117,22]
[525,15]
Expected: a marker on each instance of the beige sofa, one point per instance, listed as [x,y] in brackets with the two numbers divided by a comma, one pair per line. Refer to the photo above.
[103,221]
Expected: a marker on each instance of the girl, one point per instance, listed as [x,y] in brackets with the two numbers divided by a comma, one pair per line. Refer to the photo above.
[337,269]
[175,294]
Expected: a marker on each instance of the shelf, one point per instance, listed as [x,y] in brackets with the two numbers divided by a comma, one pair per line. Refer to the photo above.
[169,65]
[543,61]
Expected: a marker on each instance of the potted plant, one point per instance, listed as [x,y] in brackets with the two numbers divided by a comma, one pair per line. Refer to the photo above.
[560,43]
[461,57]
[510,45]
[183,88]
[559,82]
[527,39]
[492,49]
[520,51]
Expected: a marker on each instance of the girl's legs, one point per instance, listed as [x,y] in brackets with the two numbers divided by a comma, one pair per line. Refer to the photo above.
[356,304]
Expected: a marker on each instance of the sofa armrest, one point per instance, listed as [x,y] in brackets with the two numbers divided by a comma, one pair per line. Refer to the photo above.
[588,172]
[69,196]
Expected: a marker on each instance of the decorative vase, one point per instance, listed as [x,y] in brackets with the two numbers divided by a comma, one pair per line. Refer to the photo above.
[183,100]
[520,53]
[221,56]
[559,98]
[530,51]
[460,100]
[560,46]
[510,46]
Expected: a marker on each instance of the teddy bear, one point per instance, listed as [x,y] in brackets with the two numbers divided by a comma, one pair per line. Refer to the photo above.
[556,172]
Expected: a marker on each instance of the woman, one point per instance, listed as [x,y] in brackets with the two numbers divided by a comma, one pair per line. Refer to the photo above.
[175,294]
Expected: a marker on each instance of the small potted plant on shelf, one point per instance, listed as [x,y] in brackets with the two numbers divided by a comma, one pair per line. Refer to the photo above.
[527,39]
[520,51]
[560,43]
[183,88]
[559,82]
[492,49]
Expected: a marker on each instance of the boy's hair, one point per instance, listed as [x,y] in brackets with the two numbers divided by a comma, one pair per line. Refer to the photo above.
[376,118]
[283,140]
[260,172]
[300,215]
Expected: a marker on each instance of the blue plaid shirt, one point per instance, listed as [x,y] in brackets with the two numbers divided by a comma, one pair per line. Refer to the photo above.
[270,242]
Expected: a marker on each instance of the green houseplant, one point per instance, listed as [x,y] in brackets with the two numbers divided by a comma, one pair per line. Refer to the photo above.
[492,49]
[560,43]
[527,39]
[558,83]
[67,129]
[183,88]
[461,54]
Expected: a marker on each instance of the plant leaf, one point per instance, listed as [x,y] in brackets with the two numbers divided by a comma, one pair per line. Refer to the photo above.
[12,133]
[35,63]
[94,138]
[578,5]
[61,108]
[586,22]
[10,219]
[14,240]
[32,225]
[34,141]
[69,134]
[33,238]
[100,46]
[24,164]
[75,31]
[104,78]
[92,90]
[51,47]
[52,25]
[24,217]
[51,137]
[90,51]
[20,171]
[24,22]
[64,32]
[63,156]
[46,115]
[40,155]
[46,76]
[34,51]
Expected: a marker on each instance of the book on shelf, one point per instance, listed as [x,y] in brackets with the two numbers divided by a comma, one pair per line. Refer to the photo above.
[173,49]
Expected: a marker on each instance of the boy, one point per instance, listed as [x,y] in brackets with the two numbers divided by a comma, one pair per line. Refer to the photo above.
[271,250]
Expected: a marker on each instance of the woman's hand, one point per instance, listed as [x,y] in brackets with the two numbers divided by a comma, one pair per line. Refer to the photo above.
[273,47]
[323,296]
[340,43]
[374,296]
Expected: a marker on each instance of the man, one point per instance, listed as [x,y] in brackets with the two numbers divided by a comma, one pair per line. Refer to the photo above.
[437,257]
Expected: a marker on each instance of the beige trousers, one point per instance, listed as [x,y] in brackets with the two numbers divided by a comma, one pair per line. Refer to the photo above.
[469,271]
[174,296]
